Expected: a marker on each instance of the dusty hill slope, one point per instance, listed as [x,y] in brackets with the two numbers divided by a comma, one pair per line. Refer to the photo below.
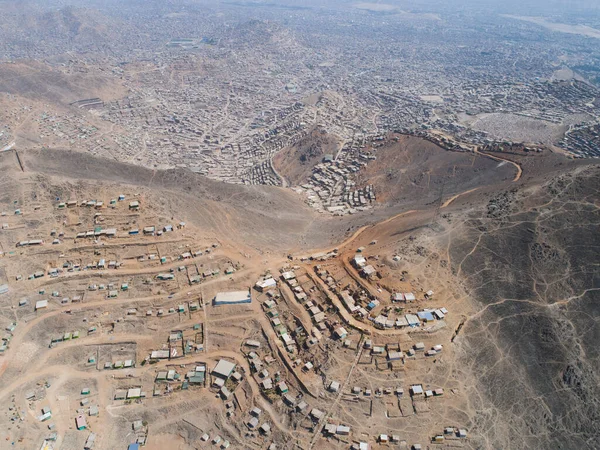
[261,215]
[295,163]
[271,219]
[415,168]
[526,254]
[34,28]
[274,219]
[40,82]
[529,259]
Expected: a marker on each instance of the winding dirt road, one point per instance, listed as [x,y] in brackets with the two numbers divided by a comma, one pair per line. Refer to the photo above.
[498,158]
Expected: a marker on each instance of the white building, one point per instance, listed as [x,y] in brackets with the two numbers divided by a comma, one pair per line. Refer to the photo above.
[232,298]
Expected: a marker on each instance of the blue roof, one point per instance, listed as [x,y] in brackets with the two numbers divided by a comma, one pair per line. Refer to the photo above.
[371,305]
[425,315]
[133,447]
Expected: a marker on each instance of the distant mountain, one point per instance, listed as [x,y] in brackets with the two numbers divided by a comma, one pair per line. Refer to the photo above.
[30,32]
[75,23]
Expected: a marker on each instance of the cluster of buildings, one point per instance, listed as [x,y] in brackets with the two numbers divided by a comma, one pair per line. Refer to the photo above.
[212,141]
[128,394]
[228,117]
[583,140]
[225,378]
[426,316]
[253,422]
[394,353]
[43,304]
[167,381]
[332,186]
[289,336]
[180,343]
[274,386]
[402,311]
[99,204]
[316,306]
[7,336]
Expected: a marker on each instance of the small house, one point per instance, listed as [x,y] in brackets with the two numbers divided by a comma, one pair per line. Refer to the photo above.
[412,320]
[359,261]
[409,297]
[342,430]
[89,443]
[398,297]
[425,316]
[341,333]
[394,356]
[223,369]
[369,272]
[134,393]
[316,414]
[416,389]
[266,284]
[80,422]
[41,304]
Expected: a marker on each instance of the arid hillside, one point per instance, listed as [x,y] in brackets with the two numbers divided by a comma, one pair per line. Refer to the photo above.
[296,163]
[412,168]
[40,82]
[528,259]
[524,257]
[511,363]
[32,28]
[257,216]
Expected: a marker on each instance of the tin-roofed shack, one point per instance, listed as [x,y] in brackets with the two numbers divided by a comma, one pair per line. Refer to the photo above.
[223,369]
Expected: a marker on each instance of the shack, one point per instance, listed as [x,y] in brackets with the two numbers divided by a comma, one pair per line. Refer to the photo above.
[223,369]
[80,422]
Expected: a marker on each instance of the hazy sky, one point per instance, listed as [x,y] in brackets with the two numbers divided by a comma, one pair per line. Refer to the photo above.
[586,9]
[528,7]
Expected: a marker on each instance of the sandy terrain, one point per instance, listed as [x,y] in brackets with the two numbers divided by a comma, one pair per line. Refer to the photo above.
[458,251]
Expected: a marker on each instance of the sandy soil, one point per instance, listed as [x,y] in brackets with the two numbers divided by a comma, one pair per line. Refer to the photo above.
[413,249]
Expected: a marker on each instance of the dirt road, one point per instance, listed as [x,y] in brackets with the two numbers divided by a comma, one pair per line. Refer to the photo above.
[498,158]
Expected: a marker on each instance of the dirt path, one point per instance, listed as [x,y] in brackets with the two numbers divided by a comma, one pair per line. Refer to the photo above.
[22,333]
[362,229]
[284,182]
[498,158]
[326,417]
[295,308]
[476,151]
[451,199]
